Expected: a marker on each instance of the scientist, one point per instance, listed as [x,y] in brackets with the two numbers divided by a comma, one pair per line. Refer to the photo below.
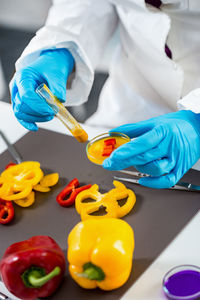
[155,69]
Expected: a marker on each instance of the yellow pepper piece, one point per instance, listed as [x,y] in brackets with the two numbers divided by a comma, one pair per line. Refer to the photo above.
[26,202]
[17,192]
[121,192]
[86,209]
[100,253]
[40,188]
[28,172]
[5,189]
[108,200]
[49,180]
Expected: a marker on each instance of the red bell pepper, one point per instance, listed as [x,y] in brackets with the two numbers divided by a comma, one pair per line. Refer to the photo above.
[72,190]
[33,268]
[6,211]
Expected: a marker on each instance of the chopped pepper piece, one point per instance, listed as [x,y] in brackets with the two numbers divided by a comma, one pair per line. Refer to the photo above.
[26,202]
[100,253]
[33,268]
[40,188]
[109,146]
[72,190]
[108,200]
[107,150]
[109,142]
[6,211]
[49,180]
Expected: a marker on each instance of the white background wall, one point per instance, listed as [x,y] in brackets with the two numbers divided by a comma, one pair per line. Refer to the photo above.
[24,14]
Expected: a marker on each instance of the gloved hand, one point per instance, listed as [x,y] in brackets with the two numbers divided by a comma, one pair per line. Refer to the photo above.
[166,147]
[52,68]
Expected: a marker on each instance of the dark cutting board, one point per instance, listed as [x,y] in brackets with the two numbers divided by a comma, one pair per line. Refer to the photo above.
[157,217]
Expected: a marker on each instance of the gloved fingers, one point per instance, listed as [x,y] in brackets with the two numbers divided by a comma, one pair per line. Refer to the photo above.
[162,182]
[20,109]
[29,118]
[28,125]
[157,167]
[135,129]
[27,81]
[151,155]
[124,156]
[59,88]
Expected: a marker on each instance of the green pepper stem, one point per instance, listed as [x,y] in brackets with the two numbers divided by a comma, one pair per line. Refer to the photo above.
[35,277]
[92,272]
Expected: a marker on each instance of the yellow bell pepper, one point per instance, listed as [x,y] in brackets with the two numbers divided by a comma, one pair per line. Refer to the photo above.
[26,202]
[49,180]
[108,200]
[100,253]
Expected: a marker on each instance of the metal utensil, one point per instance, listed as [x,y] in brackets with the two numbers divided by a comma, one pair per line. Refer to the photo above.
[179,186]
[13,152]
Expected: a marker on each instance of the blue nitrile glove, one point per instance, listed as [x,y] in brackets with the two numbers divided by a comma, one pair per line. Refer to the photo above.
[52,68]
[166,147]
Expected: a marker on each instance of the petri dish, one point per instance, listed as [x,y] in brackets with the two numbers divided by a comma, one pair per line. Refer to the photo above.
[182,283]
[95,148]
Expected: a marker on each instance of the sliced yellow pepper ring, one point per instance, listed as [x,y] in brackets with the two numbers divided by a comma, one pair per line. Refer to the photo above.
[121,192]
[49,180]
[26,202]
[108,200]
[110,208]
[40,188]
[26,172]
[5,189]
[17,192]
[92,193]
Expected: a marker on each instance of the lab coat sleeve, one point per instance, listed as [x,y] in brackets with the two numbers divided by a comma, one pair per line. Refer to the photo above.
[84,28]
[190,102]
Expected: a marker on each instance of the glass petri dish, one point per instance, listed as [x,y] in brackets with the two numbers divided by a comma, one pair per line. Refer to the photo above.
[95,147]
[182,283]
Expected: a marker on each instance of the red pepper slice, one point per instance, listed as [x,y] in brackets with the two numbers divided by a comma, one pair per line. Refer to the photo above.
[10,165]
[110,142]
[107,150]
[109,146]
[72,191]
[6,211]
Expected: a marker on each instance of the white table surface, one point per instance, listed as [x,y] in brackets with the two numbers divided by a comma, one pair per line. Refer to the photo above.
[184,249]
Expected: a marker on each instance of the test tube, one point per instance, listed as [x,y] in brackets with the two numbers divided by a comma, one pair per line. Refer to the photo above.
[62,113]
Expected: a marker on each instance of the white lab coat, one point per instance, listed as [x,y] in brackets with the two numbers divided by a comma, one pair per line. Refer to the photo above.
[143,81]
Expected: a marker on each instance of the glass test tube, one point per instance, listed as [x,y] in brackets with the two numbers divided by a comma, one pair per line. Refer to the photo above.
[62,113]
